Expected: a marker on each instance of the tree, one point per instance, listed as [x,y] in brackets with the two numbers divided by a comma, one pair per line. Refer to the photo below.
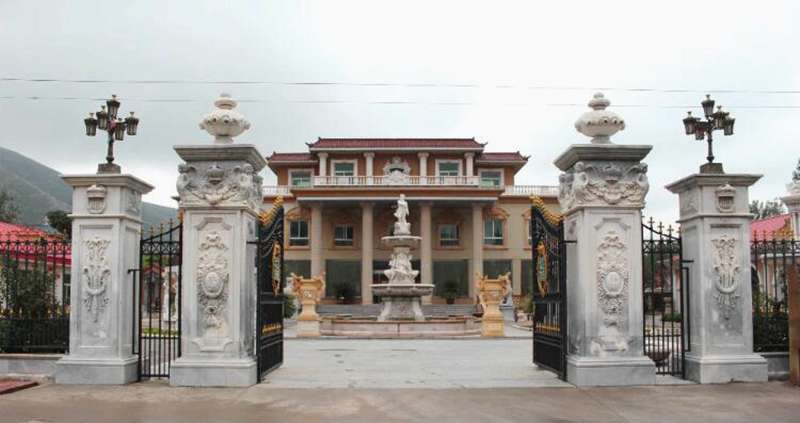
[796,173]
[8,210]
[60,221]
[765,209]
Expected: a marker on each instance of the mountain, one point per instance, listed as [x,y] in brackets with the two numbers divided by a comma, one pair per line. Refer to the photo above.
[38,189]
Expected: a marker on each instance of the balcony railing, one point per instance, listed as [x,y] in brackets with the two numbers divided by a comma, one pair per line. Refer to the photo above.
[441,181]
[322,181]
[528,190]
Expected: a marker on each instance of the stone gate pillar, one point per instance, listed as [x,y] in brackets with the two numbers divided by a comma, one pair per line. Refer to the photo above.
[106,227]
[715,229]
[602,192]
[220,196]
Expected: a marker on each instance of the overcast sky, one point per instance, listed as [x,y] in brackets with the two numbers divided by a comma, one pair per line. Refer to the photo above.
[513,74]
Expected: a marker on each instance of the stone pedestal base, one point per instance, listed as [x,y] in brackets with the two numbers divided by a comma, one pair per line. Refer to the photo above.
[726,368]
[308,329]
[492,326]
[611,371]
[84,371]
[223,373]
[401,308]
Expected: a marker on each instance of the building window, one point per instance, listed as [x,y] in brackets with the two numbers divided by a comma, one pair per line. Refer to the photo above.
[449,168]
[300,178]
[493,232]
[448,235]
[298,233]
[344,169]
[491,178]
[343,235]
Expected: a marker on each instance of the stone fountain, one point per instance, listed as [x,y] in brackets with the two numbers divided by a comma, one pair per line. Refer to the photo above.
[401,316]
[401,297]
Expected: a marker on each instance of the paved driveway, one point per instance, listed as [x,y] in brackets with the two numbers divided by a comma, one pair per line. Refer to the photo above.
[413,363]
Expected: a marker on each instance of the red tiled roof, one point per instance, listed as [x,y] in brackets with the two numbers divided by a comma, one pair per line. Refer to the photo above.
[291,157]
[502,157]
[767,228]
[22,243]
[400,143]
[14,232]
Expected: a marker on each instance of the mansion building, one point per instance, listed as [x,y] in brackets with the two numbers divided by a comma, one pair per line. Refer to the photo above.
[339,200]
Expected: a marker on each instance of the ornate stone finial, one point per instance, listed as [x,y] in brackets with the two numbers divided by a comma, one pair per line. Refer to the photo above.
[599,124]
[224,123]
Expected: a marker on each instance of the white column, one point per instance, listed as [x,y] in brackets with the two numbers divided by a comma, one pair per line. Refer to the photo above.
[425,254]
[477,247]
[106,228]
[323,164]
[423,167]
[219,285]
[470,160]
[366,252]
[603,190]
[715,229]
[792,201]
[317,266]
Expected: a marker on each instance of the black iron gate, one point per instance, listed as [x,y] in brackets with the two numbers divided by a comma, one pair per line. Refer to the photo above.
[269,309]
[550,289]
[665,289]
[157,301]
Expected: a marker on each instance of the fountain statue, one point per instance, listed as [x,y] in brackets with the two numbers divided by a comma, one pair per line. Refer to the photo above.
[402,298]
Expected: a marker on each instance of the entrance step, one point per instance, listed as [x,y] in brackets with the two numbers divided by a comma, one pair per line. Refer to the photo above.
[373,310]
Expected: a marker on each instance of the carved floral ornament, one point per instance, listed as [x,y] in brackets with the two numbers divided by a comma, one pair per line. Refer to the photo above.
[613,277]
[212,280]
[727,271]
[725,195]
[396,171]
[603,184]
[96,276]
[215,185]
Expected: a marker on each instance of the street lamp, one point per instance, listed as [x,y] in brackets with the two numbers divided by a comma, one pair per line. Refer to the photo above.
[704,129]
[106,120]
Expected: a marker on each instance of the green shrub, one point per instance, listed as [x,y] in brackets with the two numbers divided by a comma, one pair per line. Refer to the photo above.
[672,317]
[288,305]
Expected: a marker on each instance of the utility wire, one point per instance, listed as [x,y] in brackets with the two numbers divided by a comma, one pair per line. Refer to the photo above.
[392,84]
[395,102]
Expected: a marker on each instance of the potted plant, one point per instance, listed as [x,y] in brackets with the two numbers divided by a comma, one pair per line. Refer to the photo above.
[450,291]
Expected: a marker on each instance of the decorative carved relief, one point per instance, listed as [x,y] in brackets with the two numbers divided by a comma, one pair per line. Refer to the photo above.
[134,203]
[397,172]
[727,271]
[216,185]
[688,203]
[613,275]
[725,198]
[96,196]
[96,276]
[603,183]
[212,281]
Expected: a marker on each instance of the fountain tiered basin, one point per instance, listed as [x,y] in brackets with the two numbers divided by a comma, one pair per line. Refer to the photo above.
[402,314]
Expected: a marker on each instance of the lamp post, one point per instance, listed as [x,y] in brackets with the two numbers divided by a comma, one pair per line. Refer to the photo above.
[115,127]
[704,129]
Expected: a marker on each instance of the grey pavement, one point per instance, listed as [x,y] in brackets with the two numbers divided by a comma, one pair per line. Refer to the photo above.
[157,402]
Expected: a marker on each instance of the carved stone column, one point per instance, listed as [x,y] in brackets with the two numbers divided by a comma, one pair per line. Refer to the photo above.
[425,249]
[317,265]
[309,291]
[220,196]
[367,251]
[715,230]
[106,227]
[602,192]
[491,292]
[477,245]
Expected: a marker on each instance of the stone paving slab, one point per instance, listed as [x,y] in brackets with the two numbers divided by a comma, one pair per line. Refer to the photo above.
[160,403]
[418,363]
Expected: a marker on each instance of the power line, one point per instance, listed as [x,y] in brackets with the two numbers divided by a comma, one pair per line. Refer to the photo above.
[397,102]
[395,85]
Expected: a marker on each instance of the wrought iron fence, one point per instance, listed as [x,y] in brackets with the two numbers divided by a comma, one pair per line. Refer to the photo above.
[771,258]
[34,295]
[664,287]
